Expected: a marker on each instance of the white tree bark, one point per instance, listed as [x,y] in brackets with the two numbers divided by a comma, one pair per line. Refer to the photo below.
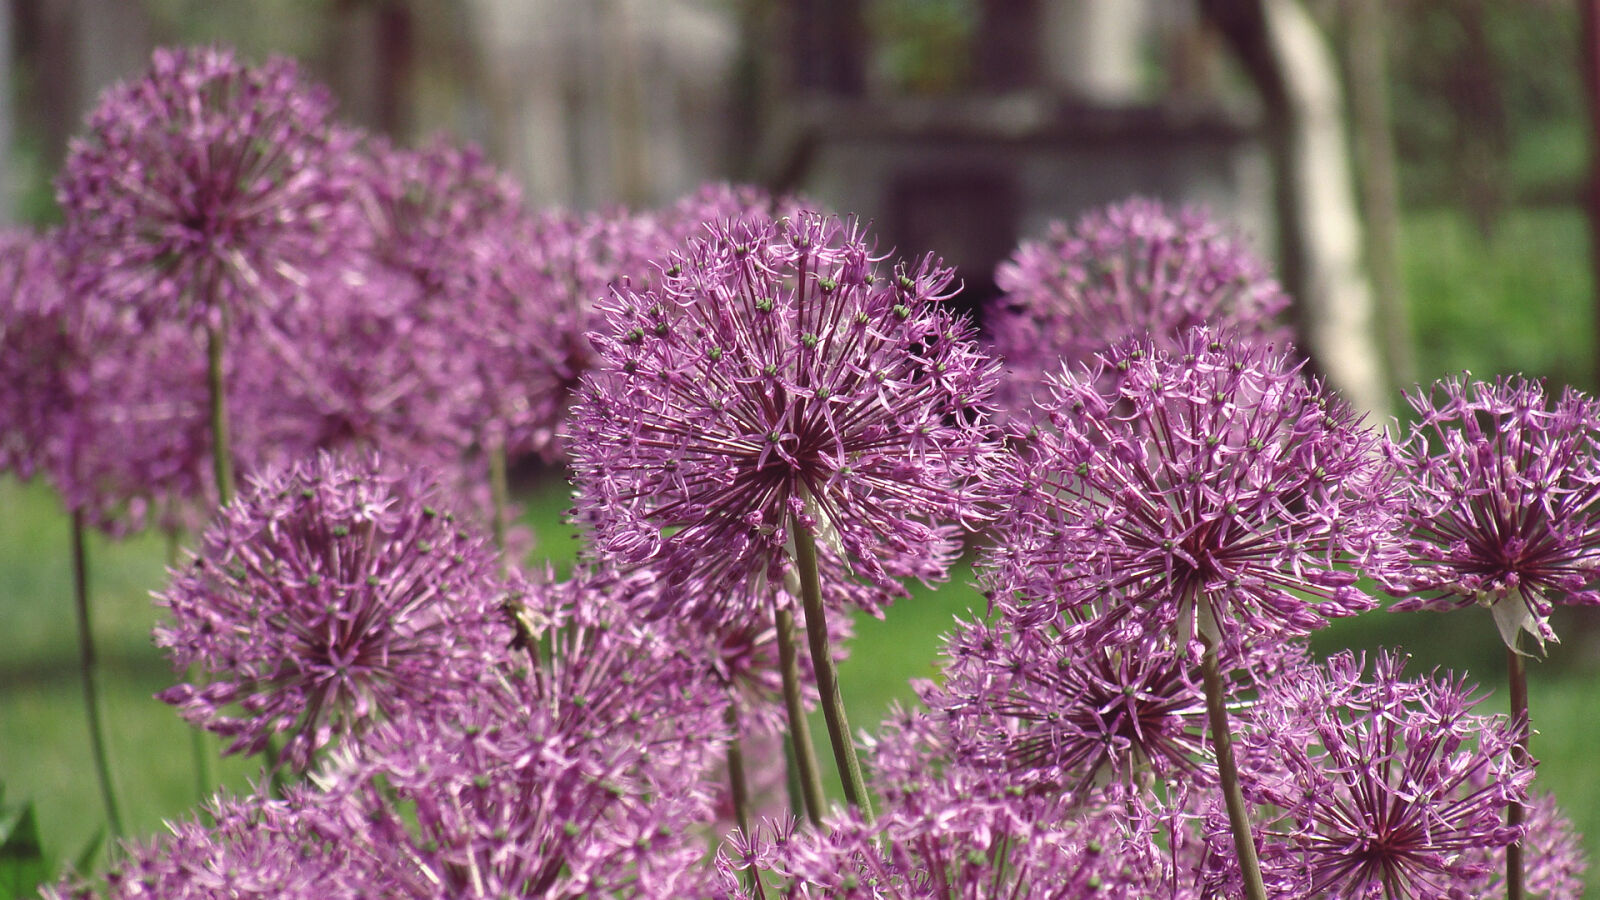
[1336,297]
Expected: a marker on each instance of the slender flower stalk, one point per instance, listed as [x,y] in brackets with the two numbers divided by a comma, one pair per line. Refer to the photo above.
[221,445]
[89,669]
[199,751]
[804,754]
[738,784]
[1516,811]
[1228,771]
[500,491]
[833,713]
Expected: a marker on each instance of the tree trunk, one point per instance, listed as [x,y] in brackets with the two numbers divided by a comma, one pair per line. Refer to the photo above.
[1319,230]
[1367,70]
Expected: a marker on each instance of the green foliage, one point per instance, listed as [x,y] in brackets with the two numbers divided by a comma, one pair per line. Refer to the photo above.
[1519,300]
[22,861]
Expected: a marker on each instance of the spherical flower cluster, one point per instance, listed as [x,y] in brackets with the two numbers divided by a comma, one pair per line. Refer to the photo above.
[714,204]
[1071,714]
[206,186]
[1502,494]
[575,775]
[430,206]
[537,289]
[1382,786]
[331,594]
[952,831]
[249,848]
[35,347]
[356,372]
[1553,858]
[111,414]
[445,221]
[1214,492]
[776,379]
[1131,270]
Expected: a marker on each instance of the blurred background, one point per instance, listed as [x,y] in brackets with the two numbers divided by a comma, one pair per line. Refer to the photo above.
[1419,171]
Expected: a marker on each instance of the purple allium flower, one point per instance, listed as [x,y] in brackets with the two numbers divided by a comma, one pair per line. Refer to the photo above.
[775,376]
[1382,787]
[948,830]
[1131,270]
[36,349]
[538,285]
[206,186]
[1502,502]
[446,221]
[111,414]
[716,203]
[1553,859]
[574,776]
[249,848]
[1068,714]
[327,596]
[357,371]
[430,206]
[1214,492]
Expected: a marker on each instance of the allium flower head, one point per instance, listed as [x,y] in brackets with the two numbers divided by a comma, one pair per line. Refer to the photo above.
[430,205]
[1068,714]
[1383,787]
[329,595]
[776,376]
[1131,270]
[35,349]
[1502,502]
[537,288]
[1213,492]
[948,830]
[249,848]
[205,185]
[1553,858]
[574,775]
[113,415]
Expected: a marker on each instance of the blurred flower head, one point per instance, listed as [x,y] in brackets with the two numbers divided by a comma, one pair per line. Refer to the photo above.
[207,186]
[1130,270]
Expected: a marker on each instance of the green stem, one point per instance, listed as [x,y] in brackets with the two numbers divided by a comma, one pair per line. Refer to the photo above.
[500,491]
[844,749]
[204,778]
[1228,773]
[221,447]
[89,667]
[805,757]
[738,785]
[1516,813]
[271,758]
